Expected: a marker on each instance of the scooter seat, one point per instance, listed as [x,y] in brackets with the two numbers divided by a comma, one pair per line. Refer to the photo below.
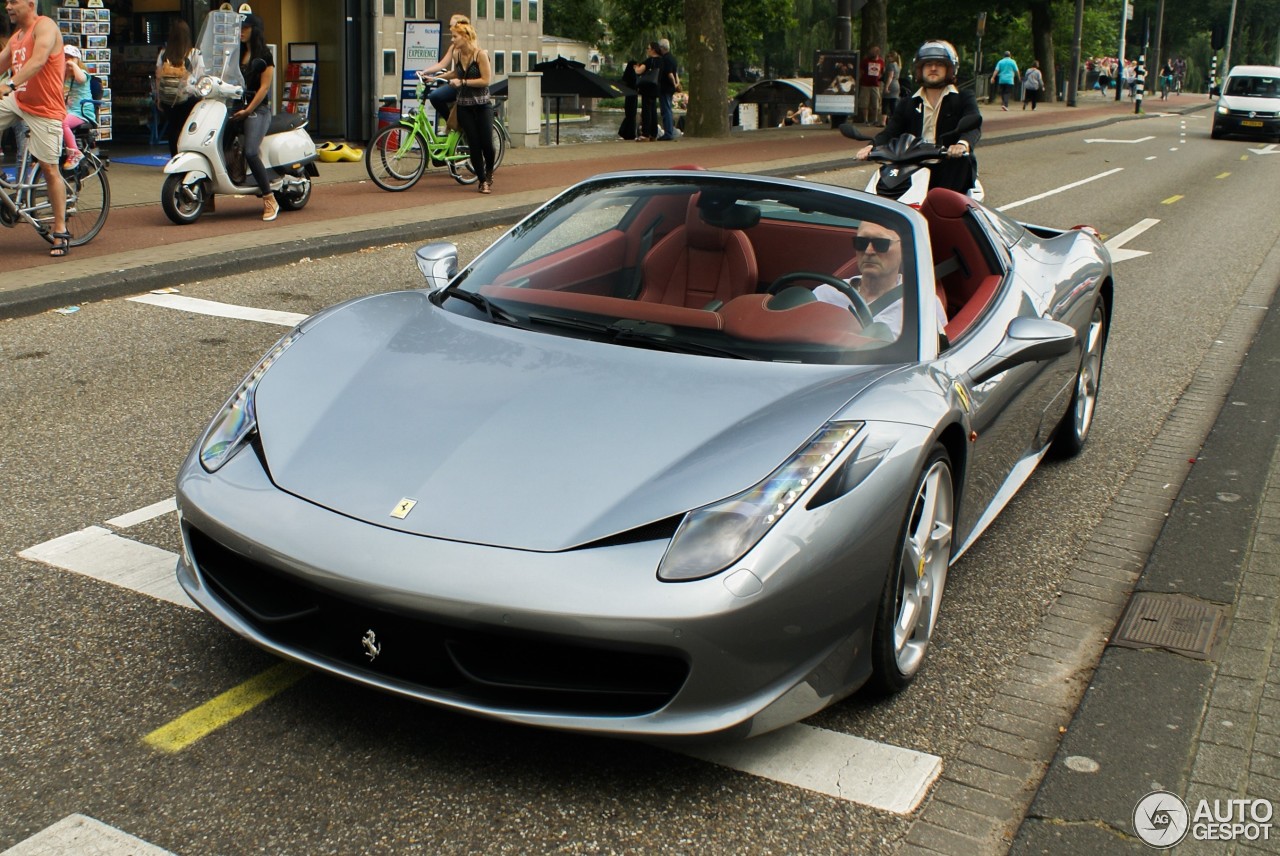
[285,122]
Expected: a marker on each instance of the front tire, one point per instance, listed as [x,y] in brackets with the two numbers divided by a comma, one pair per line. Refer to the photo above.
[909,605]
[396,158]
[183,203]
[1072,432]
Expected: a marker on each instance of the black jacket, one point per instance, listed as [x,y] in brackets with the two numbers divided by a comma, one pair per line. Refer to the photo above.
[908,118]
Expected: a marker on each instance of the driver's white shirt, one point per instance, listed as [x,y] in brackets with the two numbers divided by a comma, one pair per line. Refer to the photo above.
[890,316]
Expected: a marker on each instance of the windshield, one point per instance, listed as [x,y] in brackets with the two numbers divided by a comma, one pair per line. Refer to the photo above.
[1254,87]
[710,265]
[219,45]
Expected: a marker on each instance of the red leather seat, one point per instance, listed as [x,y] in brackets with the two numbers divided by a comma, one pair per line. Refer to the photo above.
[696,263]
[971,280]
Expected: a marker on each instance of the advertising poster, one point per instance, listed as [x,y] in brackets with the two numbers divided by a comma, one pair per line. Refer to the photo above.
[421,49]
[835,82]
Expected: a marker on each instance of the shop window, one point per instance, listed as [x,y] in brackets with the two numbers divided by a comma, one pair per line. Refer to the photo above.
[500,62]
[389,64]
[533,10]
[515,62]
[515,10]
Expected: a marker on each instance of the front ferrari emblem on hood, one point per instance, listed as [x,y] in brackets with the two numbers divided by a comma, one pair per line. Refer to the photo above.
[403,507]
[372,647]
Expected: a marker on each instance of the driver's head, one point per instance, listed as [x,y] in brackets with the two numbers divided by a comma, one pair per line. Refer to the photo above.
[935,64]
[879,251]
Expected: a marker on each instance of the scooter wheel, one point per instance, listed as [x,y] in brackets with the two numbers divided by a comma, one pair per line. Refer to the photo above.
[183,203]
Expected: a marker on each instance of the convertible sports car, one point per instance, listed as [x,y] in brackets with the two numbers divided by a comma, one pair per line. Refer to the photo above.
[651,464]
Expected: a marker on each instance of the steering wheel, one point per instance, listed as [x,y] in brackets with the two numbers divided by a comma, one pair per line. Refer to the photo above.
[859,307]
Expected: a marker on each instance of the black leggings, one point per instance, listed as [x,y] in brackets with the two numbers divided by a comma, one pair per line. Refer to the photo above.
[476,123]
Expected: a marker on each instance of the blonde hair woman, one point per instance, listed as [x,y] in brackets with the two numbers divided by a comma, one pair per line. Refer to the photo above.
[472,75]
[442,96]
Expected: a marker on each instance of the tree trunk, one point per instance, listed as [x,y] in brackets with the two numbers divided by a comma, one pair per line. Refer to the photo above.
[708,65]
[875,27]
[1042,46]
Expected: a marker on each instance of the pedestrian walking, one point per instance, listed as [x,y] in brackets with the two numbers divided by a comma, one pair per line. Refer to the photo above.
[1005,76]
[649,85]
[668,86]
[471,76]
[892,82]
[870,75]
[1032,86]
[178,69]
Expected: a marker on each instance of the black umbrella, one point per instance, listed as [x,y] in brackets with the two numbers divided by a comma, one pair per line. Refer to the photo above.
[566,77]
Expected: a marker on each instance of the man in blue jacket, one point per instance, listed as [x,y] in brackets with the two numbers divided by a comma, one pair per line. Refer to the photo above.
[1005,75]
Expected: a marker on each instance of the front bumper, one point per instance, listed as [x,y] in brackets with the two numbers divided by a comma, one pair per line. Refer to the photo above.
[1243,124]
[587,640]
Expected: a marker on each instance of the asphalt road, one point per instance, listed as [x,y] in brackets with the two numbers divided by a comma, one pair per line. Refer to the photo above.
[99,408]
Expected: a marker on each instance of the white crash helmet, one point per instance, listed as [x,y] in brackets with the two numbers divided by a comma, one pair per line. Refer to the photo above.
[937,50]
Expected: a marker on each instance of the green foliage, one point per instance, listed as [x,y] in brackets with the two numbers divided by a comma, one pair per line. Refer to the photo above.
[574,19]
[749,26]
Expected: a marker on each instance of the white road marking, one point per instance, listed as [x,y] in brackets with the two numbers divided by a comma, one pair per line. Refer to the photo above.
[1116,244]
[221,310]
[828,762]
[1152,157]
[142,515]
[103,555]
[1139,140]
[1048,193]
[1272,149]
[77,833]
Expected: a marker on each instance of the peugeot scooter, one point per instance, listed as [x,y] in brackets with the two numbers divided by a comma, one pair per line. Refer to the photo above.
[904,162]
[200,169]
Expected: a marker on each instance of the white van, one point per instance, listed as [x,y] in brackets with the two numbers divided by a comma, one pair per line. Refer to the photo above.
[1250,102]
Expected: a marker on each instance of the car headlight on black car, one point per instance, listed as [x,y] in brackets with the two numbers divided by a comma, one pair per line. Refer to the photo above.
[237,420]
[713,537]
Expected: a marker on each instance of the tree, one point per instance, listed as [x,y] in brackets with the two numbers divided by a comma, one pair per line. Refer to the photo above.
[579,20]
[708,64]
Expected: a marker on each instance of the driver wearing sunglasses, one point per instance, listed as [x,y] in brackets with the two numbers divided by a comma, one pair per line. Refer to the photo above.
[879,279]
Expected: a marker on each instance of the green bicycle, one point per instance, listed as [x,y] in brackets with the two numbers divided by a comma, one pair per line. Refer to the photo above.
[401,153]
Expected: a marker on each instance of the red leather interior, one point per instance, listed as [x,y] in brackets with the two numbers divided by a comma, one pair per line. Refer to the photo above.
[697,263]
[590,266]
[782,247]
[749,317]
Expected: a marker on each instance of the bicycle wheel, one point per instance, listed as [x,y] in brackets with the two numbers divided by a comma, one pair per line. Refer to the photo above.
[88,204]
[462,171]
[396,158]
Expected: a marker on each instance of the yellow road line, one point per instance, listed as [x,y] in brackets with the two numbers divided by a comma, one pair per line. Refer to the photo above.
[1172,199]
[1244,157]
[1223,174]
[212,715]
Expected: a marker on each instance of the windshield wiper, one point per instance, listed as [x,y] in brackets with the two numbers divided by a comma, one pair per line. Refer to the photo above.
[623,332]
[496,313]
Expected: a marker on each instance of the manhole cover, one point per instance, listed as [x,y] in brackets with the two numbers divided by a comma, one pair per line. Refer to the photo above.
[1171,621]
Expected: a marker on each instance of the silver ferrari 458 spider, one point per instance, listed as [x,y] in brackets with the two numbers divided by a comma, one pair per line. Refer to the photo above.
[683,453]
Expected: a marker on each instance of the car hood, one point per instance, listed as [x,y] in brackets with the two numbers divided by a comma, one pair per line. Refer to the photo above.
[521,439]
[1246,103]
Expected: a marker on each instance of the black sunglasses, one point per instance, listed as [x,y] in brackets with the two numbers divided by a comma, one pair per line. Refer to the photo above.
[880,245]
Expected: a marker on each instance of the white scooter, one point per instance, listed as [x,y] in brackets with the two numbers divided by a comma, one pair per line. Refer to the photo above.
[200,169]
[904,162]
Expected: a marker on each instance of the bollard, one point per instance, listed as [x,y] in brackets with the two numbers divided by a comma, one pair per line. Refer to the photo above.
[1140,82]
[1213,74]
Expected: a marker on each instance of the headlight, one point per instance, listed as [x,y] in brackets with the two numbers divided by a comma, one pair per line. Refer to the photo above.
[204,86]
[237,420]
[1222,110]
[712,538]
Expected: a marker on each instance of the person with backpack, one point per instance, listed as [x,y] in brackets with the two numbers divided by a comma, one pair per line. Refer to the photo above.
[177,68]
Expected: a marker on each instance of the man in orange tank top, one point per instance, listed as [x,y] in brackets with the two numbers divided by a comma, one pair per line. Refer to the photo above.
[34,95]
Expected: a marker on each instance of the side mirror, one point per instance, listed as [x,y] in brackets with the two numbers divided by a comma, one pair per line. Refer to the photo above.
[1028,340]
[438,263]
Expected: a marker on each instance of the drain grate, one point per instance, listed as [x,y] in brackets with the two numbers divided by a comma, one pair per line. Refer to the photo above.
[1174,622]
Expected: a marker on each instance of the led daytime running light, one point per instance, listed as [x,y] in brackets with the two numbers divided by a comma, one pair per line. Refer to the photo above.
[714,537]
[237,420]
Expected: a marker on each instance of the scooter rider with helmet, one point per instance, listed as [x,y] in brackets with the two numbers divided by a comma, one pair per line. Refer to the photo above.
[933,113]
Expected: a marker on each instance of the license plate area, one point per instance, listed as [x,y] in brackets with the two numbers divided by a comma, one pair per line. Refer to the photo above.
[1251,123]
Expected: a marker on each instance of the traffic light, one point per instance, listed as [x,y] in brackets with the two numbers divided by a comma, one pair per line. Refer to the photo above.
[1218,37]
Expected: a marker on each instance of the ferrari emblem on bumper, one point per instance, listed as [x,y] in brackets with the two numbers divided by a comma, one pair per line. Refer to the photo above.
[372,647]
